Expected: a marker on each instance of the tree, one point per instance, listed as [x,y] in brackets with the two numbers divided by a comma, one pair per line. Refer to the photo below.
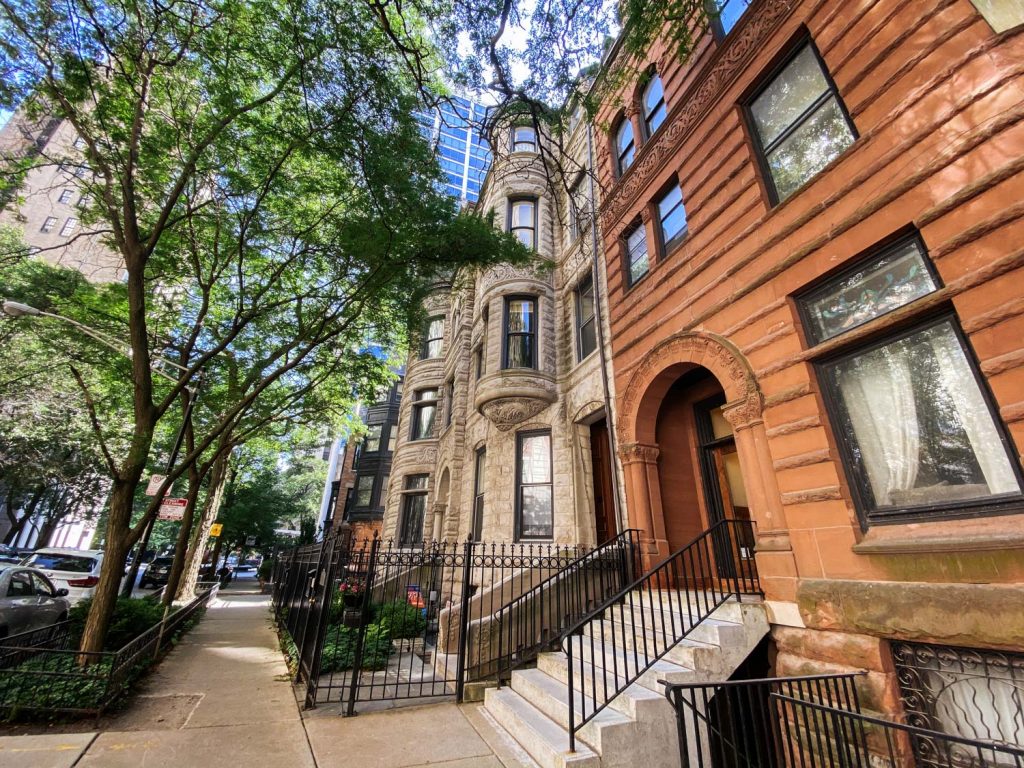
[257,168]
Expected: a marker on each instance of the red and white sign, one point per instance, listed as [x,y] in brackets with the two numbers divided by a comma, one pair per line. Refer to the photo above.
[172,509]
[154,484]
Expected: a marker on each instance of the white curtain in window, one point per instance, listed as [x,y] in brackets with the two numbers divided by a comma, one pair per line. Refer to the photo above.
[971,408]
[878,391]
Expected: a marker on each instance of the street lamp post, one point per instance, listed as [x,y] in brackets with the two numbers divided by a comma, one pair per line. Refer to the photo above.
[18,309]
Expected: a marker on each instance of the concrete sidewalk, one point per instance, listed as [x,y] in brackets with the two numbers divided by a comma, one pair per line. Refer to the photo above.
[222,698]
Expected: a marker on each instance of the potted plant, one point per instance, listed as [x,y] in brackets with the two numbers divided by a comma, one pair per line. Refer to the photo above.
[351,593]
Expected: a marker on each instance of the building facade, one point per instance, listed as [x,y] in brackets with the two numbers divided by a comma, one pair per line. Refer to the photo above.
[503,431]
[812,235]
[47,206]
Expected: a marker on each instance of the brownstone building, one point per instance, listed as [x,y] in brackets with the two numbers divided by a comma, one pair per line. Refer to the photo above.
[812,228]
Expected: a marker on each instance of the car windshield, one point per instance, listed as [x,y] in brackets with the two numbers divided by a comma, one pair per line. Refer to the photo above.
[59,562]
[163,561]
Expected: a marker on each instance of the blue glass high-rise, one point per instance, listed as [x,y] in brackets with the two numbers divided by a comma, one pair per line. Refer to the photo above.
[454,131]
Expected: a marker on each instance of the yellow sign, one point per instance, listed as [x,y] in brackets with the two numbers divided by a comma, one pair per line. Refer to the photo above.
[215,529]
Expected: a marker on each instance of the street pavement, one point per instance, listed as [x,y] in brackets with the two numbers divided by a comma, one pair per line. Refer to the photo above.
[223,698]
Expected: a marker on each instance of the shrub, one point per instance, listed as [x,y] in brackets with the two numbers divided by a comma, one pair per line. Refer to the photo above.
[340,648]
[401,619]
[132,616]
[266,570]
[50,681]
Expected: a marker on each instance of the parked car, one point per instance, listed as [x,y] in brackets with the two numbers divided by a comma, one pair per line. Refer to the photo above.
[28,600]
[9,555]
[77,570]
[157,573]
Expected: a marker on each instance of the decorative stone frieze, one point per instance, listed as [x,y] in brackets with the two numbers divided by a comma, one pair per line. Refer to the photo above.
[511,397]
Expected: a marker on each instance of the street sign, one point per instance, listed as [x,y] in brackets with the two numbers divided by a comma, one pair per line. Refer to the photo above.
[215,529]
[250,541]
[154,484]
[172,509]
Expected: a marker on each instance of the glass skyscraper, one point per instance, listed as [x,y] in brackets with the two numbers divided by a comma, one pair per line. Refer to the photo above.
[453,130]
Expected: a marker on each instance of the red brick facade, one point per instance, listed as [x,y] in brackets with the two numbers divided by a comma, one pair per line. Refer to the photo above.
[936,98]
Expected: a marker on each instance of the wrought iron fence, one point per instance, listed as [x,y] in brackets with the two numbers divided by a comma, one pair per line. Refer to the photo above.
[374,620]
[811,722]
[43,671]
[620,638]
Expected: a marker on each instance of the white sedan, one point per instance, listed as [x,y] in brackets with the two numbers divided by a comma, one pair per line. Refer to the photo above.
[76,570]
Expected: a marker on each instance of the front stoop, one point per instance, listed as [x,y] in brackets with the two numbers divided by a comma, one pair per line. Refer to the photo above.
[638,727]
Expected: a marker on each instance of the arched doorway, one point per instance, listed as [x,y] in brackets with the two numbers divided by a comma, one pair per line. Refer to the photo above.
[699,475]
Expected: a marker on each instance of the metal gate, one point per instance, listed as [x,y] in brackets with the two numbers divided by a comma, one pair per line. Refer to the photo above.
[375,621]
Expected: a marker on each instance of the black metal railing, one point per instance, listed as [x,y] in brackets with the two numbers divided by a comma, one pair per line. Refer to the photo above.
[617,641]
[812,722]
[537,619]
[49,674]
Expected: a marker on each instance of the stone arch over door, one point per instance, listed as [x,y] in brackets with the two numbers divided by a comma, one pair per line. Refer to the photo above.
[637,420]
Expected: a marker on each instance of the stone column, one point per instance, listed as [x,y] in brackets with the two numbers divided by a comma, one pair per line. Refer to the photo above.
[643,498]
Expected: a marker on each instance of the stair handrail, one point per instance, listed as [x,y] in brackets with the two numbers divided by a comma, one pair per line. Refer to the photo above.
[701,560]
[625,544]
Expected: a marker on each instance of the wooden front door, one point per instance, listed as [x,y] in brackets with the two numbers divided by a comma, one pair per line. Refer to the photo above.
[604,504]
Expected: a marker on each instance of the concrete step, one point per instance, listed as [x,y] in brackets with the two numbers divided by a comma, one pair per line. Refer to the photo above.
[544,740]
[608,727]
[692,654]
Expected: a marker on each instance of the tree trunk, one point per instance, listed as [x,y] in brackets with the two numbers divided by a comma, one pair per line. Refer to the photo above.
[114,555]
[201,531]
[195,479]
[26,516]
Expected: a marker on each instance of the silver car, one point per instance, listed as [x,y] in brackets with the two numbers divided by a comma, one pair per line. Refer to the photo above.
[28,600]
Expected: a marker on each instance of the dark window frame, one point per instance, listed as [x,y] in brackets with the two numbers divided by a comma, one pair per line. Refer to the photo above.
[479,492]
[380,438]
[427,338]
[420,403]
[514,144]
[665,245]
[789,53]
[505,333]
[449,401]
[578,293]
[645,118]
[373,491]
[630,281]
[519,485]
[618,153]
[839,420]
[534,228]
[403,523]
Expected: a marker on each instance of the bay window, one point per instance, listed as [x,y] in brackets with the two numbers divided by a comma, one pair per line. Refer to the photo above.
[424,410]
[520,332]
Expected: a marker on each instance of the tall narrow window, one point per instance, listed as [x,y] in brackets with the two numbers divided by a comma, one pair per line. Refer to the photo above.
[364,491]
[414,504]
[478,361]
[654,105]
[478,494]
[392,437]
[917,429]
[423,413]
[522,218]
[586,326]
[724,14]
[449,402]
[520,333]
[579,208]
[625,149]
[638,263]
[800,123]
[534,500]
[672,216]
[433,337]
[524,139]
[372,442]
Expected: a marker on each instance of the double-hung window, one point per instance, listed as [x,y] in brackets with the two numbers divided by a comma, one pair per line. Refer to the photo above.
[48,224]
[625,147]
[478,494]
[364,491]
[918,433]
[524,139]
[414,504]
[586,324]
[372,442]
[654,105]
[520,332]
[392,437]
[534,498]
[424,410]
[65,196]
[522,220]
[672,216]
[799,122]
[579,208]
[638,263]
[433,337]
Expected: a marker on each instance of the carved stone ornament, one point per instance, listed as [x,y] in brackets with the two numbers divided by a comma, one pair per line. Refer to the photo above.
[505,413]
[632,453]
[503,272]
[694,105]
